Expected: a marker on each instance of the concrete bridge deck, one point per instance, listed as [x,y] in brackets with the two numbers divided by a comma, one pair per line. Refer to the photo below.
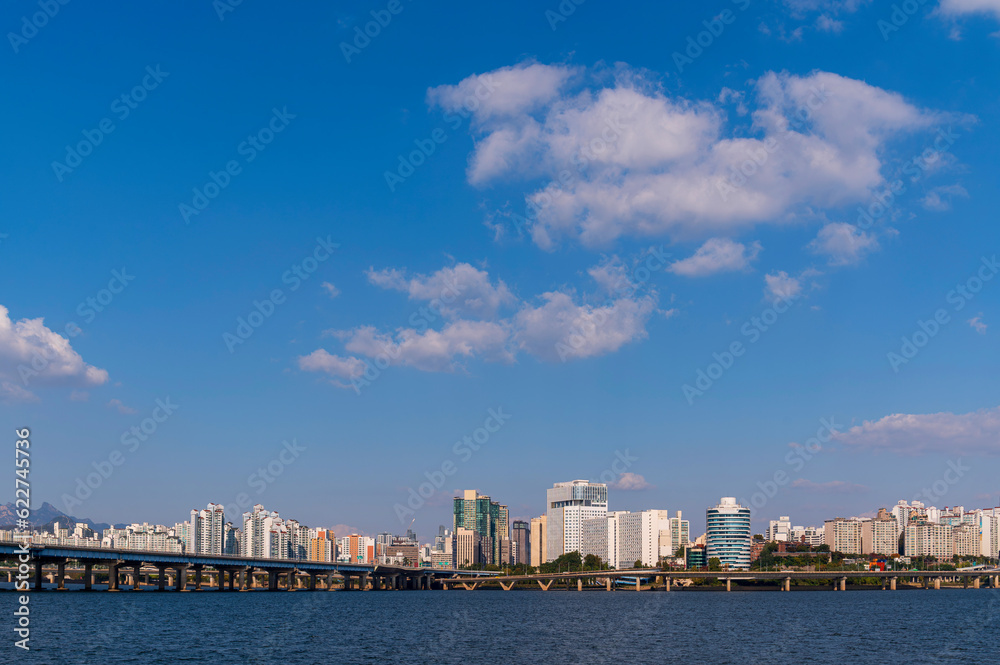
[245,571]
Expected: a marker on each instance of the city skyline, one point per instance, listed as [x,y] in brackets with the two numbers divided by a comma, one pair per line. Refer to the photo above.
[701,243]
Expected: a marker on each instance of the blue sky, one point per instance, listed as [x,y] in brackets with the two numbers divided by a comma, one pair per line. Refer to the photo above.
[564,221]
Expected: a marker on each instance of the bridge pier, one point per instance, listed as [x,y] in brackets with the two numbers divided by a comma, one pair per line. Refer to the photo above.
[232,579]
[545,587]
[638,583]
[579,584]
[136,573]
[113,576]
[182,578]
[61,576]
[222,579]
[197,577]
[607,583]
[892,583]
[787,585]
[667,582]
[312,581]
[843,584]
[507,587]
[729,584]
[937,583]
[975,583]
[161,581]
[272,581]
[38,575]
[363,586]
[88,577]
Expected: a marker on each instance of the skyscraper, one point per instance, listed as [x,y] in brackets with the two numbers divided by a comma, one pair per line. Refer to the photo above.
[567,505]
[207,534]
[680,533]
[521,540]
[489,520]
[537,539]
[728,534]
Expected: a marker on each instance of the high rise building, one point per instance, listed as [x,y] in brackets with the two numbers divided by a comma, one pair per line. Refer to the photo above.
[207,535]
[728,534]
[322,545]
[567,506]
[537,541]
[489,520]
[924,538]
[356,549]
[469,547]
[623,537]
[879,536]
[520,542]
[844,535]
[965,539]
[680,533]
[779,530]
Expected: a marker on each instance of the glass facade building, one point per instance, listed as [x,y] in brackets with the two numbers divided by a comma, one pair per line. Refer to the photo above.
[728,534]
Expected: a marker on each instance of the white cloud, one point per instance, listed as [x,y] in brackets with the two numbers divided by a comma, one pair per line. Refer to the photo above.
[827,24]
[977,432]
[458,291]
[432,350]
[33,355]
[628,482]
[625,159]
[965,7]
[557,328]
[977,324]
[503,92]
[939,198]
[330,289]
[117,404]
[843,243]
[717,255]
[560,329]
[11,393]
[79,396]
[780,286]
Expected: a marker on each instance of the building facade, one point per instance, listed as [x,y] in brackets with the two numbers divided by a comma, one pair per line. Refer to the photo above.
[728,534]
[567,506]
[537,541]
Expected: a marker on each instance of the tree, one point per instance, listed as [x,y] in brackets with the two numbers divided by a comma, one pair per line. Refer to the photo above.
[715,563]
[679,554]
[592,562]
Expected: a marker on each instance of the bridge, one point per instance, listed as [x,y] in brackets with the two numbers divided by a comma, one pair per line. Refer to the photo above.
[666,579]
[244,573]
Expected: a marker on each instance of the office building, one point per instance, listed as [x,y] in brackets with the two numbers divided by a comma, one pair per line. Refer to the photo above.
[489,520]
[728,534]
[520,542]
[567,506]
[680,533]
[779,530]
[537,541]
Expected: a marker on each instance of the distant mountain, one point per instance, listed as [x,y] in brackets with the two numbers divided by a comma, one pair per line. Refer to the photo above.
[45,516]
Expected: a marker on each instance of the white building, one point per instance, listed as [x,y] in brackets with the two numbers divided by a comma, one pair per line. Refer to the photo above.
[207,535]
[779,530]
[680,533]
[567,506]
[928,539]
